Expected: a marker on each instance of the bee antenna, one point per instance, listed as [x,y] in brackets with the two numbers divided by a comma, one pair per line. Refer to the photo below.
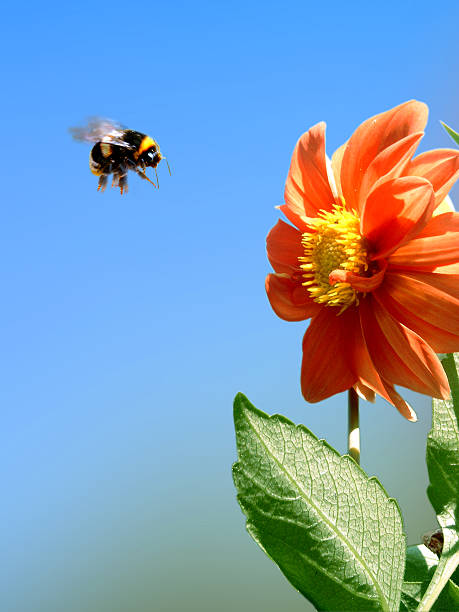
[157,179]
[168,167]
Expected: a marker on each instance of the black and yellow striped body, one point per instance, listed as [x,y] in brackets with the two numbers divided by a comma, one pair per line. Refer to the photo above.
[136,151]
[116,150]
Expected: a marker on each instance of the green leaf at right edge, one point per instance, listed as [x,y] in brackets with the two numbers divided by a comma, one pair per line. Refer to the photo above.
[420,566]
[331,529]
[454,135]
[443,468]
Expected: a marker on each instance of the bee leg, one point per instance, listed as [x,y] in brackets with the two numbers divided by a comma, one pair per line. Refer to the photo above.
[121,178]
[122,183]
[102,182]
[144,176]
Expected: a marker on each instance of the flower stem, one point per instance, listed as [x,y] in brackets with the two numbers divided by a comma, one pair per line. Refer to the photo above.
[353,425]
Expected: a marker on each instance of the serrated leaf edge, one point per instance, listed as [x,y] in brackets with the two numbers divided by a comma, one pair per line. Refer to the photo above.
[310,562]
[242,404]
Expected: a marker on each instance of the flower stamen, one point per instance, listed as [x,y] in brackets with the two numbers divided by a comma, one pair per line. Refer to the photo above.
[334,243]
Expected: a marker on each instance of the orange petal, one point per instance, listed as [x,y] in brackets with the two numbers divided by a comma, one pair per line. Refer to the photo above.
[441,224]
[399,355]
[300,221]
[283,244]
[443,278]
[369,378]
[387,391]
[289,299]
[390,163]
[395,211]
[432,314]
[336,161]
[397,400]
[372,137]
[445,206]
[307,189]
[440,167]
[436,245]
[365,392]
[357,282]
[325,369]
[448,269]
[426,292]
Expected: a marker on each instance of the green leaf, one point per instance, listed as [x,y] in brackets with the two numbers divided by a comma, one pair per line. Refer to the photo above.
[421,564]
[331,529]
[443,451]
[443,468]
[454,135]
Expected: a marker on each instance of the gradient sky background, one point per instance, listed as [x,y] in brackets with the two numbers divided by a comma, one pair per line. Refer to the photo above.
[129,323]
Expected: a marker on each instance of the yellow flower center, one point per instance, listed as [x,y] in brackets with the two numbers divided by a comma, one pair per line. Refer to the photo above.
[334,243]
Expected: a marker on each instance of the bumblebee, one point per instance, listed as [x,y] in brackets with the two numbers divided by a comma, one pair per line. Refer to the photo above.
[118,150]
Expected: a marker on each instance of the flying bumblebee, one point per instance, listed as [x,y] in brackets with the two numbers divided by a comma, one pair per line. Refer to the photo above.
[118,150]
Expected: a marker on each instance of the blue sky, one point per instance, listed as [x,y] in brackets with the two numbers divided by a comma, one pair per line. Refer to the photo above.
[129,323]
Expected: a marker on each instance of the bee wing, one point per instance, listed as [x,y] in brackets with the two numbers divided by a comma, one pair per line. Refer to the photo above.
[100,130]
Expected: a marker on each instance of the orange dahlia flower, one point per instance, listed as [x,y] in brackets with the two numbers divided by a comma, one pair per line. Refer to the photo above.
[371,259]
